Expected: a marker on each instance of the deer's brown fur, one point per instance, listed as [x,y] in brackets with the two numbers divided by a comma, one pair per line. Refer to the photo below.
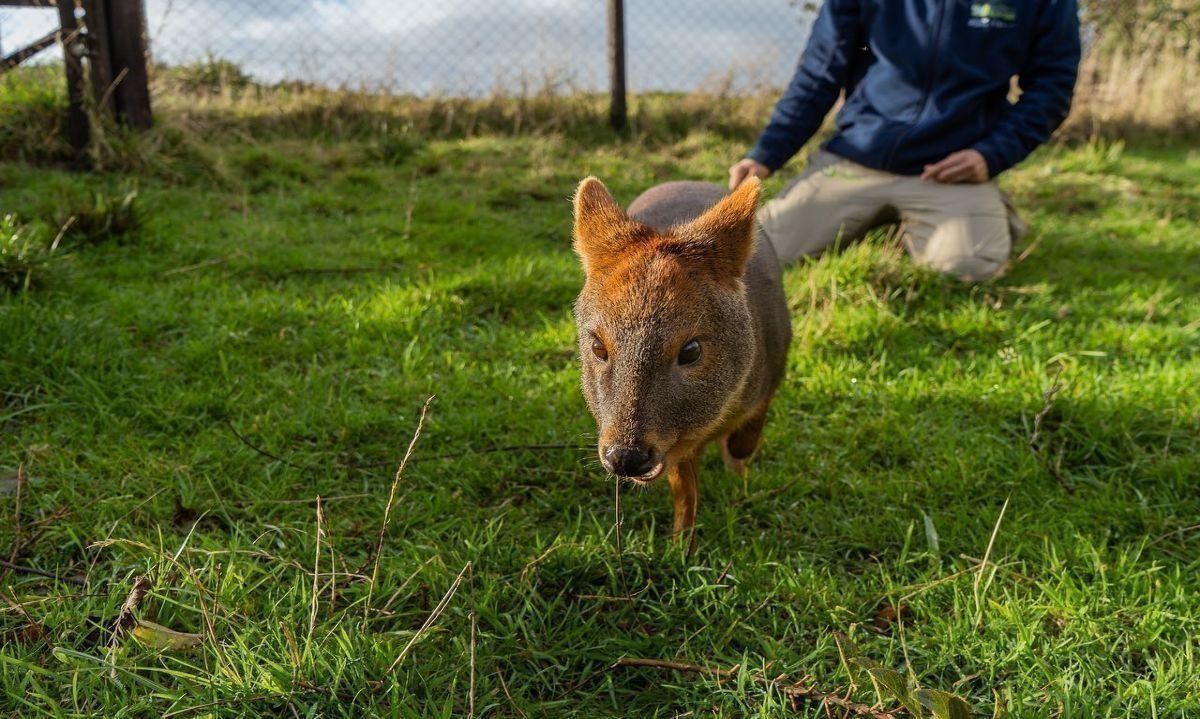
[685,263]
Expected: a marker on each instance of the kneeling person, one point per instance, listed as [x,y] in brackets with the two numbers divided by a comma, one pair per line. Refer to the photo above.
[925,128]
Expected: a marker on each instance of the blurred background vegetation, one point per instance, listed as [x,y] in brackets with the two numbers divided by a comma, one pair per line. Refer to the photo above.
[1136,82]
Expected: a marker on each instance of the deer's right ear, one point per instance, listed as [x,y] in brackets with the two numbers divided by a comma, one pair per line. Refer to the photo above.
[601,227]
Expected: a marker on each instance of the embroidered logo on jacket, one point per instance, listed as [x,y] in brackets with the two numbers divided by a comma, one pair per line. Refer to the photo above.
[992,14]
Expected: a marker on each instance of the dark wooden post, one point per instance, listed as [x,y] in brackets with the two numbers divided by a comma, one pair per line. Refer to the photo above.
[618,115]
[100,65]
[126,21]
[77,122]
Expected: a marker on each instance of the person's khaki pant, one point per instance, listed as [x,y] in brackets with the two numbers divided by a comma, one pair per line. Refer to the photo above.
[963,229]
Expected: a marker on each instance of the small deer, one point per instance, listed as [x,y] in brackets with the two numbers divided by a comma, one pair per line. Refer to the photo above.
[683,330]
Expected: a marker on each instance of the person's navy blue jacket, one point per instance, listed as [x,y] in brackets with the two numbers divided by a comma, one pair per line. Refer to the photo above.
[925,78]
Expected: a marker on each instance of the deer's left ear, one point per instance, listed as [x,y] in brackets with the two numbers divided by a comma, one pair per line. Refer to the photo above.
[723,237]
[600,226]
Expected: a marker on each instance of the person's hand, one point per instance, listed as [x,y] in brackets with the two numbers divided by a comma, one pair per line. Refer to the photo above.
[961,166]
[745,168]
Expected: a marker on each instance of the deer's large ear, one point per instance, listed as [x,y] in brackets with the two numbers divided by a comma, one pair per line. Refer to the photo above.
[723,237]
[601,227]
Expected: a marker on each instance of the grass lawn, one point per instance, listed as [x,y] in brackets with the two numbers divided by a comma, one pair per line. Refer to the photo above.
[309,294]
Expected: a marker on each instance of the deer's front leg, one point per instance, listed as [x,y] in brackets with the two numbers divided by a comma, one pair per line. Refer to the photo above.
[685,494]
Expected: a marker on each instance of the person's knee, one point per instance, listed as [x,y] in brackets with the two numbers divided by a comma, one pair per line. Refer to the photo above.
[968,268]
[817,212]
[971,248]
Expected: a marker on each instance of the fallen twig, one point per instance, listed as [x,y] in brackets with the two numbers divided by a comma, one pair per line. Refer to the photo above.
[799,690]
[20,609]
[20,569]
[290,271]
[241,438]
[1055,467]
[197,266]
[471,452]
[388,463]
[1047,404]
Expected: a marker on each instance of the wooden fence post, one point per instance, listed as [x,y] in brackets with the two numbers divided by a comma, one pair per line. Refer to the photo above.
[100,59]
[618,115]
[77,122]
[126,22]
[115,47]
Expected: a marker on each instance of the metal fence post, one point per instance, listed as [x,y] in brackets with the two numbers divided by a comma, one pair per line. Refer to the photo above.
[617,112]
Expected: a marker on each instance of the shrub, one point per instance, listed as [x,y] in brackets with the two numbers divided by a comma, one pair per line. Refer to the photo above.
[108,217]
[33,102]
[396,147]
[211,76]
[23,254]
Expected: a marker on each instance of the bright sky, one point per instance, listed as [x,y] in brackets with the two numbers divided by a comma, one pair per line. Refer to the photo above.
[467,45]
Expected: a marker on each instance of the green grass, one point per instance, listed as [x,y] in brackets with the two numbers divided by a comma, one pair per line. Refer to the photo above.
[312,292]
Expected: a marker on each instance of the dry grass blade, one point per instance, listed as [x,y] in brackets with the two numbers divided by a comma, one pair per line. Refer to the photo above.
[387,510]
[676,666]
[511,703]
[404,585]
[207,615]
[125,618]
[433,617]
[1047,405]
[218,703]
[19,480]
[1054,466]
[799,690]
[293,650]
[474,627]
[408,209]
[316,595]
[617,529]
[987,555]
[32,631]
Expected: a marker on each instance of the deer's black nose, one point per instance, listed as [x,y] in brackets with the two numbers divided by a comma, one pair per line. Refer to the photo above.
[629,461]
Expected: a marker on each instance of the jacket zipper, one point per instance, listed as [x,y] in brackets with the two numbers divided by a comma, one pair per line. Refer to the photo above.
[933,66]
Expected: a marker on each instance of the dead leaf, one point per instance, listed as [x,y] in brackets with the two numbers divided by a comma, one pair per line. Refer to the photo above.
[887,615]
[184,515]
[125,618]
[28,633]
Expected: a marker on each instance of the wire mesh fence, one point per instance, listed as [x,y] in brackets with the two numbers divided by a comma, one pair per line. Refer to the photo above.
[466,47]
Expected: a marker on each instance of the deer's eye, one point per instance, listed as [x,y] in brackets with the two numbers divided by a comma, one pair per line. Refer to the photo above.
[690,352]
[599,349]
